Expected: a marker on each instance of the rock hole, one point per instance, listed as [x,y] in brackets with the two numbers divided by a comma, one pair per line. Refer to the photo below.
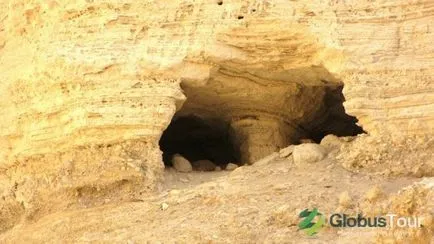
[236,120]
[331,118]
[240,17]
[199,139]
[220,2]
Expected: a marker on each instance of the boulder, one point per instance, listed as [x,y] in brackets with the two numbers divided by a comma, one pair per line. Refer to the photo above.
[203,165]
[331,142]
[231,166]
[308,153]
[181,164]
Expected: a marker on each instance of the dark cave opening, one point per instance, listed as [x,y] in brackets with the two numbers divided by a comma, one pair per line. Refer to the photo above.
[332,118]
[197,139]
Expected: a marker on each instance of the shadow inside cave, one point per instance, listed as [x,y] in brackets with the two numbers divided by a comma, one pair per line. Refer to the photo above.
[199,139]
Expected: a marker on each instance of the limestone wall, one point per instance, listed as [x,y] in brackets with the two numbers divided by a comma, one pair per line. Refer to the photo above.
[78,77]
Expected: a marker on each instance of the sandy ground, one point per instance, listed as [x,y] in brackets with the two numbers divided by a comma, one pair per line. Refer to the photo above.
[252,204]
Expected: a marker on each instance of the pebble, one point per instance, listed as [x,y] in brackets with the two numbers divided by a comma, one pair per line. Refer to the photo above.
[164,206]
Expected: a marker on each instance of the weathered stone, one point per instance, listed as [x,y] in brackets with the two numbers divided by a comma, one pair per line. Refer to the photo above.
[231,166]
[331,142]
[308,153]
[77,75]
[181,164]
[164,206]
[203,165]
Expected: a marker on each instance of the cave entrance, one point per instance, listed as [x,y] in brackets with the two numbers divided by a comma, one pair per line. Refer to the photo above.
[242,116]
[198,139]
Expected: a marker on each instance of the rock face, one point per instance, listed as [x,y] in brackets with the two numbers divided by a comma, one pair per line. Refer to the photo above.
[308,153]
[88,87]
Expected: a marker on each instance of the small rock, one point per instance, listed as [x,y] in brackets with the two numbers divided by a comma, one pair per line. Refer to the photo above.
[331,142]
[203,165]
[268,159]
[231,166]
[181,164]
[218,168]
[164,206]
[427,220]
[308,153]
[285,152]
[345,199]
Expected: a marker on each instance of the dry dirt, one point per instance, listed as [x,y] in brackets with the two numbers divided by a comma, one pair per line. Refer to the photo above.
[252,204]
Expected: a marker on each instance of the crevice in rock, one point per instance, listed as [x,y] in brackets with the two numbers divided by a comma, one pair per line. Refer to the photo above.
[330,118]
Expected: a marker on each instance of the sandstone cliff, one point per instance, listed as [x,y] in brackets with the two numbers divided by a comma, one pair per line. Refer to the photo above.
[88,87]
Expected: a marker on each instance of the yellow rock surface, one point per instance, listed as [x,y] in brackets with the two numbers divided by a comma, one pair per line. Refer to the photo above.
[88,87]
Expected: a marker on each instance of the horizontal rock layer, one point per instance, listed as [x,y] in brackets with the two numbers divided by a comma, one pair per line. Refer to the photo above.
[76,75]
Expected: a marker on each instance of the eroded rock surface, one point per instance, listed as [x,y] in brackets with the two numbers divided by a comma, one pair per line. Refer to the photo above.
[88,87]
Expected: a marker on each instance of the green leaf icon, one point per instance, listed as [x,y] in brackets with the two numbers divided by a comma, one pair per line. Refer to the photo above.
[307,223]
